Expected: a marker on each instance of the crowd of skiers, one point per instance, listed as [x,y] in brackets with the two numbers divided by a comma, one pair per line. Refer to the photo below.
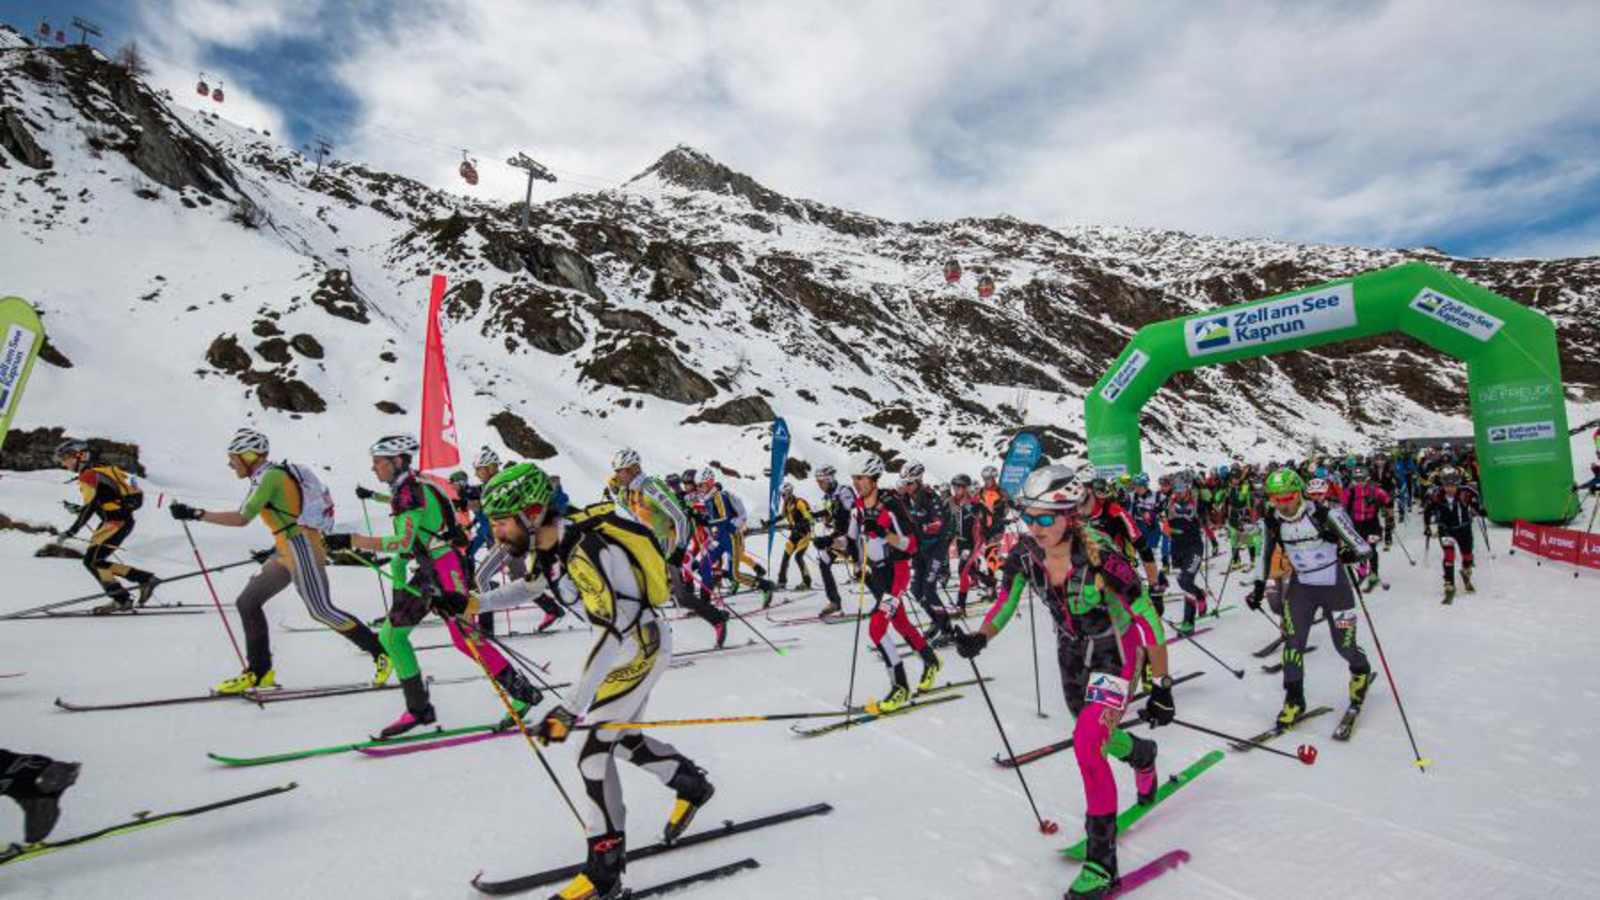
[1099,550]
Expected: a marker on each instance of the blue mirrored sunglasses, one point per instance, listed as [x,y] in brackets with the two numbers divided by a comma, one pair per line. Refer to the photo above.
[1044,520]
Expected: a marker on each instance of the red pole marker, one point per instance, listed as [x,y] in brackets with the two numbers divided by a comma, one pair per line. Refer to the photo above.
[1307,754]
[1048,826]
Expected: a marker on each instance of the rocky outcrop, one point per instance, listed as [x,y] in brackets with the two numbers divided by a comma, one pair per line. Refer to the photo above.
[648,366]
[337,294]
[35,449]
[226,354]
[743,411]
[520,436]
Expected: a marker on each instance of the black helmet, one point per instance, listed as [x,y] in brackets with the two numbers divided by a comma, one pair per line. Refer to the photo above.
[71,445]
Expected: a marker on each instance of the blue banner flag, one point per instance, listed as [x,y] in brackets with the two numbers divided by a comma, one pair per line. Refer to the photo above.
[780,456]
[1021,457]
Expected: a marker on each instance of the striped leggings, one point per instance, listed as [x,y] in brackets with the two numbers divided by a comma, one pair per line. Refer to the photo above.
[300,562]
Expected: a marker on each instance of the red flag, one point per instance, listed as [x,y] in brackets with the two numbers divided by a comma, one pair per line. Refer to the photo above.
[440,445]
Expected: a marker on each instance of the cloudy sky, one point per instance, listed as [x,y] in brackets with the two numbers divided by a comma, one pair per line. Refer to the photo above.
[1466,125]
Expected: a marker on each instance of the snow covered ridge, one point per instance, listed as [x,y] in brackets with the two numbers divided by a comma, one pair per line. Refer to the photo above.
[676,313]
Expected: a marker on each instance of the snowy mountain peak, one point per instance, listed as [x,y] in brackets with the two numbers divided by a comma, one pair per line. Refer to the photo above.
[695,170]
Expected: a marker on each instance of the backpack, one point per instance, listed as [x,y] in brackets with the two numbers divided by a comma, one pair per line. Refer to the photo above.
[130,495]
[316,501]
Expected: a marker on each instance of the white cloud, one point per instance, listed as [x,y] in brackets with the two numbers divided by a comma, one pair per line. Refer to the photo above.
[1371,123]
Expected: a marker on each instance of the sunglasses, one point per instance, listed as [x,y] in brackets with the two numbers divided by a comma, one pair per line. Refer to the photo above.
[1043,520]
[1283,498]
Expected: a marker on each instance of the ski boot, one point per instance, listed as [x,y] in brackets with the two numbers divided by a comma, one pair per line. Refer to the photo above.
[1359,682]
[1145,779]
[1294,706]
[765,587]
[381,670]
[805,584]
[694,791]
[120,605]
[832,609]
[721,629]
[1098,877]
[601,877]
[524,696]
[246,682]
[931,664]
[550,618]
[37,783]
[1466,580]
[147,589]
[899,693]
[1449,587]
[418,712]
[1370,582]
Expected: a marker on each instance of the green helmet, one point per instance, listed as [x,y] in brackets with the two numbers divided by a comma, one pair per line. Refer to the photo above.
[515,490]
[1285,481]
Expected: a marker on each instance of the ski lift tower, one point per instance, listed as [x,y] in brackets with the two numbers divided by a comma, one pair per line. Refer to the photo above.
[323,148]
[85,28]
[528,164]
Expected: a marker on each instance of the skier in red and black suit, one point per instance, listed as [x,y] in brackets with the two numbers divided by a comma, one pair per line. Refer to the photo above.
[1450,507]
[933,525]
[1111,519]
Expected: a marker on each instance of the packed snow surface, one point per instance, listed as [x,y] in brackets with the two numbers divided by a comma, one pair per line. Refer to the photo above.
[1498,687]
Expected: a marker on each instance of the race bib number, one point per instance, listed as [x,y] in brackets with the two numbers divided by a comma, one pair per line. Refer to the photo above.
[1106,690]
[1447,541]
[1345,618]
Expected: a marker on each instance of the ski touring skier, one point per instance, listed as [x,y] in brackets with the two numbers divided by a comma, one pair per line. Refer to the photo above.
[1450,509]
[297,510]
[650,502]
[972,520]
[881,529]
[725,516]
[112,495]
[838,504]
[1184,528]
[36,784]
[930,520]
[796,515]
[1318,540]
[615,568]
[1105,627]
[1366,501]
[484,468]
[424,533]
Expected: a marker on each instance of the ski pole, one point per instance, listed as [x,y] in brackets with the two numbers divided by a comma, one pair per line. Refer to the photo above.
[1033,645]
[1420,762]
[1046,826]
[1483,526]
[1401,541]
[1237,673]
[472,644]
[737,615]
[712,720]
[855,645]
[32,611]
[1305,753]
[204,573]
[381,592]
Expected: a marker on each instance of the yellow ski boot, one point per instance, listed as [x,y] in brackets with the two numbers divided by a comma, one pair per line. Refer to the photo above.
[245,682]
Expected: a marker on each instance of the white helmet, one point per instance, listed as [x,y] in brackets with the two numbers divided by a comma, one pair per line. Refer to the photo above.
[828,472]
[1053,487]
[707,474]
[990,472]
[787,490]
[486,457]
[624,458]
[395,445]
[1316,488]
[867,464]
[912,471]
[249,440]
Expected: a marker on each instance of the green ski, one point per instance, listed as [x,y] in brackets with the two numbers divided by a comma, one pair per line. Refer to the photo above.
[1134,813]
[239,761]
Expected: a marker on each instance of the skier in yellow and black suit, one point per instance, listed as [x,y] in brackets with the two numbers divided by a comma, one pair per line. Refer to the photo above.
[616,569]
[111,494]
[797,515]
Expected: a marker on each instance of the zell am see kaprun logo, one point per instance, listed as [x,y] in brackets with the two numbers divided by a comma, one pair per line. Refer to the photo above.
[1274,320]
[1460,316]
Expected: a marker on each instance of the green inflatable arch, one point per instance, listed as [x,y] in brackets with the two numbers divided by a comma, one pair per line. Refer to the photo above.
[1518,404]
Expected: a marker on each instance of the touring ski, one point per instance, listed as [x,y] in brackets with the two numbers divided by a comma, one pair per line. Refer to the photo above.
[1148,872]
[140,821]
[275,695]
[1131,816]
[728,828]
[1051,749]
[1278,730]
[242,761]
[1347,724]
[712,874]
[12,674]
[865,717]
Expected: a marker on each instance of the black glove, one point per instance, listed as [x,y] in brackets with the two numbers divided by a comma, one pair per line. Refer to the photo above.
[183,511]
[676,559]
[1427,531]
[363,493]
[449,603]
[337,541]
[1349,555]
[1159,710]
[1257,591]
[262,556]
[555,726]
[970,643]
[76,508]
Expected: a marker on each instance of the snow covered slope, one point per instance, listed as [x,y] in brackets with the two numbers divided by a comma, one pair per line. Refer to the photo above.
[198,275]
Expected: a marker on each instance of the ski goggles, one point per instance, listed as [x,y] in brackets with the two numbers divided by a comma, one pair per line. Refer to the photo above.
[1284,499]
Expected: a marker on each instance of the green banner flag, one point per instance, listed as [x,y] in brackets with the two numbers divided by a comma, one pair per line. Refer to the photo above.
[21,336]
